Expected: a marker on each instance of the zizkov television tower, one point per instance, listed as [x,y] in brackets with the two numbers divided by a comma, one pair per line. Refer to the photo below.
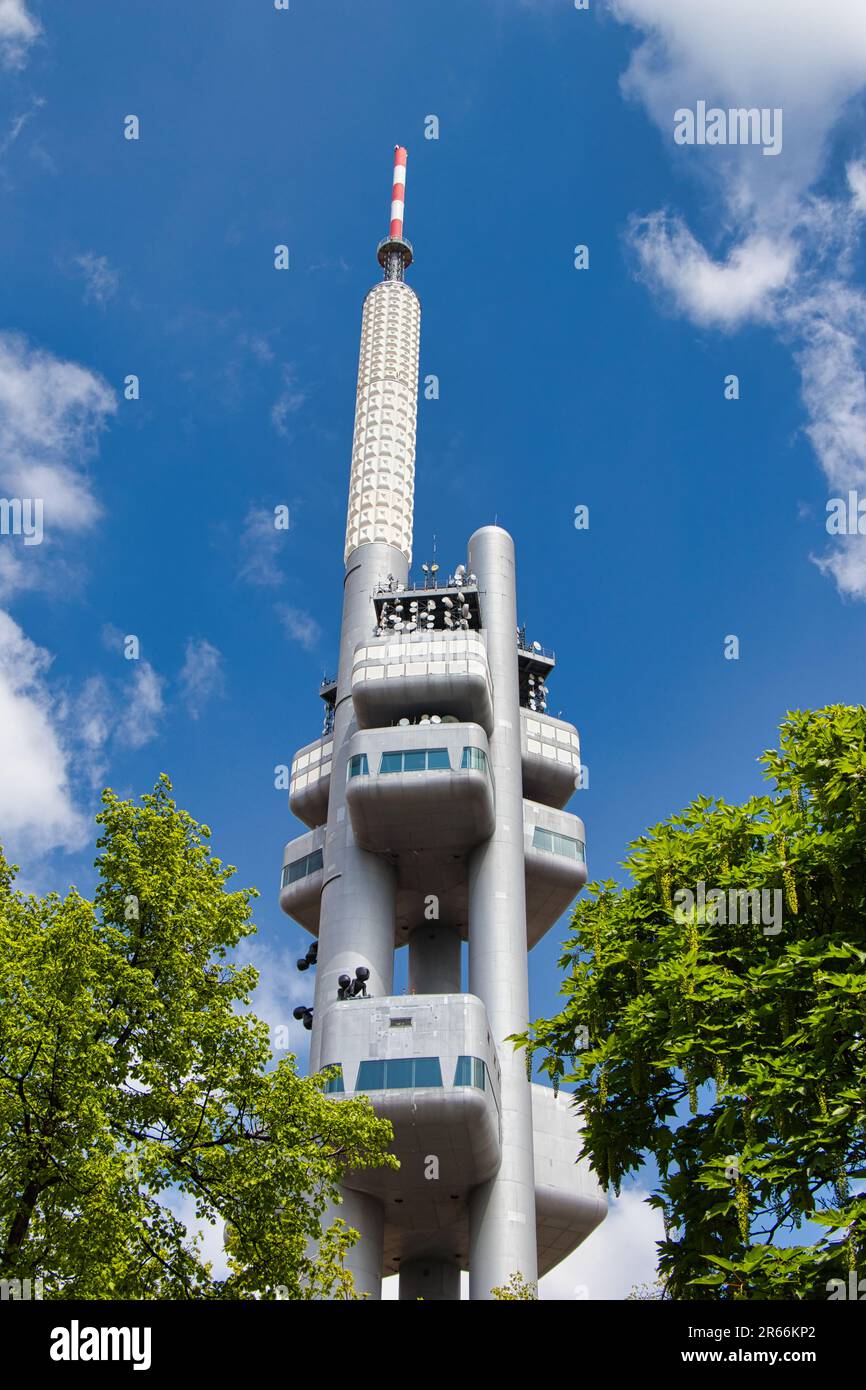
[435,804]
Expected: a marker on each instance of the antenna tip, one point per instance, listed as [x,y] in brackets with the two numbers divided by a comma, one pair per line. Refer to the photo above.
[398,193]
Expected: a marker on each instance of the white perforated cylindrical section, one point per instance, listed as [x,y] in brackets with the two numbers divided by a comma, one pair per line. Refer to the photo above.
[382,482]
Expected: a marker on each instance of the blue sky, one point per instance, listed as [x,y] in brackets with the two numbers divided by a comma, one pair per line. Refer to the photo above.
[557,387]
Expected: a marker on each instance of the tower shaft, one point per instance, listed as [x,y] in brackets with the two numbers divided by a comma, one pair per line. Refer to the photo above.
[434,801]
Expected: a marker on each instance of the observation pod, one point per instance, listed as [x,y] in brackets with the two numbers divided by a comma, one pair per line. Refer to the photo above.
[414,787]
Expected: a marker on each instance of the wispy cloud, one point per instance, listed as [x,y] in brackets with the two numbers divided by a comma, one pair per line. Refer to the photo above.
[101,280]
[289,401]
[258,346]
[202,676]
[144,705]
[111,713]
[18,124]
[299,625]
[260,549]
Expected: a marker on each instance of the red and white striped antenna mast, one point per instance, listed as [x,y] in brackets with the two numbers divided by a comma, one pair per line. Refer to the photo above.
[395,252]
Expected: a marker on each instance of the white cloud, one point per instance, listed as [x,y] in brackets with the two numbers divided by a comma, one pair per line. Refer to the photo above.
[619,1254]
[54,741]
[725,293]
[809,59]
[18,31]
[856,172]
[37,813]
[101,280]
[298,625]
[202,675]
[281,986]
[51,411]
[51,415]
[847,566]
[784,257]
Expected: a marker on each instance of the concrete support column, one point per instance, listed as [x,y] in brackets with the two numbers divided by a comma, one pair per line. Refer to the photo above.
[359,897]
[502,1211]
[435,1281]
[434,960]
[367,1215]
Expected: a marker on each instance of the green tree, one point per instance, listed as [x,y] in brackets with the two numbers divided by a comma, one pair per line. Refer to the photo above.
[647,1293]
[516,1290]
[732,1050]
[130,1076]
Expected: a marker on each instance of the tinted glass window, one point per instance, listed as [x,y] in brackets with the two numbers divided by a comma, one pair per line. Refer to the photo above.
[427,1071]
[398,1073]
[554,843]
[437,758]
[414,762]
[301,867]
[463,1074]
[391,762]
[371,1077]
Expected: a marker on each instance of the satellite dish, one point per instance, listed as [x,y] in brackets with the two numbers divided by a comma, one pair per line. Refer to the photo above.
[435,719]
[536,646]
[403,723]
